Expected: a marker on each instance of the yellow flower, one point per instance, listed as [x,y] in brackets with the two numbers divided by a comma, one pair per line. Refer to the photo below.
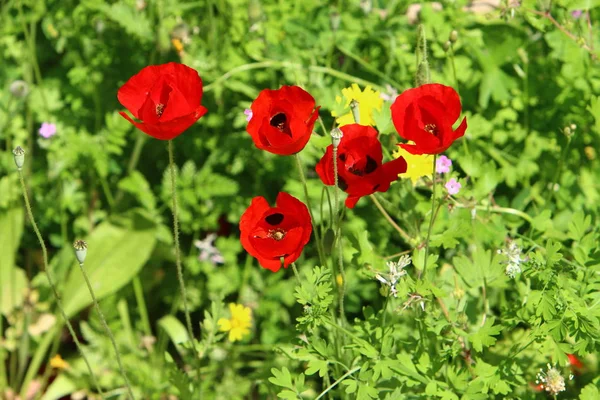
[58,362]
[368,100]
[177,44]
[339,279]
[417,165]
[239,324]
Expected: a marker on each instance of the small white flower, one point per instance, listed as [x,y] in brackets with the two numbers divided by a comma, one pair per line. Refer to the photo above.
[513,254]
[396,271]
[208,252]
[551,380]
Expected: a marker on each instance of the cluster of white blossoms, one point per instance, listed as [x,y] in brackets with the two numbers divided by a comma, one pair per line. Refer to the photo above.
[551,380]
[513,253]
[396,271]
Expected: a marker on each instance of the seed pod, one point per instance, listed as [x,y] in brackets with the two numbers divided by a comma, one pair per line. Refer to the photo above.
[19,154]
[453,36]
[336,137]
[80,247]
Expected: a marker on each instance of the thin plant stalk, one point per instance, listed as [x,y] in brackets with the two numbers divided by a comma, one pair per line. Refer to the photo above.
[53,286]
[188,320]
[107,329]
[338,237]
[389,219]
[297,274]
[433,189]
[314,223]
[141,303]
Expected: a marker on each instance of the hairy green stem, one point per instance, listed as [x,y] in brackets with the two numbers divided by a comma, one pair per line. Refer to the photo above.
[188,319]
[297,274]
[53,287]
[314,222]
[107,329]
[389,219]
[338,237]
[433,187]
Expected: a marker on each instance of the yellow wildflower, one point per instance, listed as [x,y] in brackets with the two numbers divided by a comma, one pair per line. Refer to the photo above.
[339,279]
[368,100]
[58,362]
[178,45]
[239,323]
[417,165]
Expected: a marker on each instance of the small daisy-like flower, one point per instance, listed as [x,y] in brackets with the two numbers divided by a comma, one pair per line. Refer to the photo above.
[208,252]
[442,165]
[551,380]
[576,14]
[417,166]
[47,130]
[248,113]
[396,271]
[239,323]
[453,186]
[368,100]
[58,362]
[512,252]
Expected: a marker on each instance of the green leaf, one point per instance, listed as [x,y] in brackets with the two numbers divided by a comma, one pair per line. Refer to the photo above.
[175,329]
[589,392]
[115,255]
[484,337]
[12,279]
[282,378]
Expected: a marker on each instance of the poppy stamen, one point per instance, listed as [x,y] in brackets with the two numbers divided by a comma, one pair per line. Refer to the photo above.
[160,108]
[280,122]
[277,234]
[431,128]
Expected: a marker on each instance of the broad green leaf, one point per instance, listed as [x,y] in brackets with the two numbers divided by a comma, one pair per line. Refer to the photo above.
[115,255]
[62,386]
[484,337]
[590,392]
[12,279]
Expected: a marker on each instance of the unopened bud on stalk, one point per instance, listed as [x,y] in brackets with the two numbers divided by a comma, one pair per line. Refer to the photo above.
[19,154]
[336,136]
[453,36]
[19,89]
[355,111]
[447,45]
[80,247]
[335,20]
[573,127]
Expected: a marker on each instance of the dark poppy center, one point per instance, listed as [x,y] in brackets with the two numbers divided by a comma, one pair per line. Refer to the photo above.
[274,219]
[160,108]
[280,122]
[370,166]
[277,234]
[432,128]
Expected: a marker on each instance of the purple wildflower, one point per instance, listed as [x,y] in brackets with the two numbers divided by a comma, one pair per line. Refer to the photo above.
[248,113]
[453,186]
[442,165]
[47,130]
[208,252]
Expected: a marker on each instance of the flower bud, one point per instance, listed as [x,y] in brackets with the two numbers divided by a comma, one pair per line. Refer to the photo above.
[335,20]
[19,154]
[567,131]
[355,111]
[447,45]
[80,247]
[453,36]
[573,127]
[19,89]
[336,136]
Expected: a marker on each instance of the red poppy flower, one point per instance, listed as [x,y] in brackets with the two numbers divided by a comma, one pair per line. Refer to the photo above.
[165,98]
[425,115]
[575,362]
[360,171]
[282,120]
[270,233]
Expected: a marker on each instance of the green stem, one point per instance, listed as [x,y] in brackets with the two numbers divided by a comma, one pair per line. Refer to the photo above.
[141,303]
[383,318]
[54,291]
[389,219]
[433,187]
[3,381]
[107,329]
[338,237]
[334,384]
[561,162]
[290,65]
[297,274]
[188,319]
[314,223]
